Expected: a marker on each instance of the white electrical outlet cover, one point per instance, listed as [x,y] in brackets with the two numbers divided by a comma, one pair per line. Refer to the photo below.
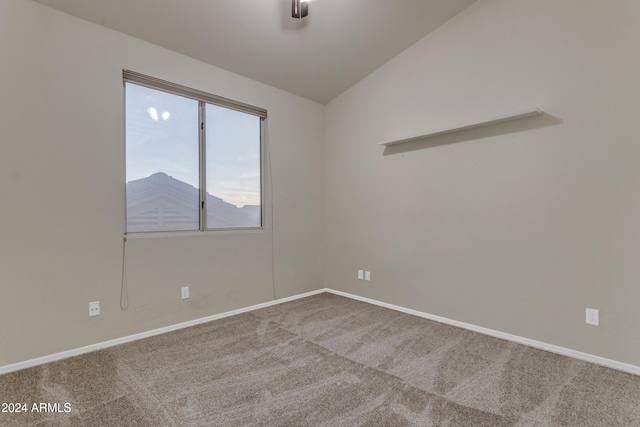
[367,276]
[94,308]
[593,317]
[360,274]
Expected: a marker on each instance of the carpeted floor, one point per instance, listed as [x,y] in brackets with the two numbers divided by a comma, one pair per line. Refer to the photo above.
[323,361]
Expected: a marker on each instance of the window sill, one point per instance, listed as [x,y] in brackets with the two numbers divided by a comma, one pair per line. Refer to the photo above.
[209,233]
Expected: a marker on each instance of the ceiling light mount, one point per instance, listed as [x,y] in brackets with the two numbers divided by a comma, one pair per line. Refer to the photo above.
[299,9]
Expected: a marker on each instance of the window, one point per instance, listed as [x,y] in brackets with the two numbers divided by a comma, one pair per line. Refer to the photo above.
[193,160]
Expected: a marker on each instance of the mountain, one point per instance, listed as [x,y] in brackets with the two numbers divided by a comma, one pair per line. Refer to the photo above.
[162,203]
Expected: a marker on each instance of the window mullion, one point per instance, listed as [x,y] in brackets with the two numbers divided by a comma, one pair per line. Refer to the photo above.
[203,166]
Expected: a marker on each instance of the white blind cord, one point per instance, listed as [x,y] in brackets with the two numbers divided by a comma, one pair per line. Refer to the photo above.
[273,267]
[124,292]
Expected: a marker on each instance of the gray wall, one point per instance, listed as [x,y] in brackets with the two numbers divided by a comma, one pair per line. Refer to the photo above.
[62,193]
[518,227]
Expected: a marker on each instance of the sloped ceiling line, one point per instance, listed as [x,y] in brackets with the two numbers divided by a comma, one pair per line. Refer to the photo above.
[337,45]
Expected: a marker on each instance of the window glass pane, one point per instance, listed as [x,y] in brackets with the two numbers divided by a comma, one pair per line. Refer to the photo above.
[162,164]
[233,168]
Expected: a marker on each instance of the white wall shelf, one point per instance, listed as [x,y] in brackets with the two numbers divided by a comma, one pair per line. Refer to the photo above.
[500,119]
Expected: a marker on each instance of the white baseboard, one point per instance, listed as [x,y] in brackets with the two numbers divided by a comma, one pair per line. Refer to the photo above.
[632,369]
[625,367]
[77,351]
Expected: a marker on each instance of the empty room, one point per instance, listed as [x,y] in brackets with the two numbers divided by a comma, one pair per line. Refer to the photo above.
[319,213]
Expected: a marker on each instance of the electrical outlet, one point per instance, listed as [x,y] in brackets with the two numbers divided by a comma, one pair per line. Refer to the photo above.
[593,317]
[184,292]
[367,276]
[94,308]
[360,274]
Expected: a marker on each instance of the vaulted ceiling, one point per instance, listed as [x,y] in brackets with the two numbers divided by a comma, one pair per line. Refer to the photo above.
[338,44]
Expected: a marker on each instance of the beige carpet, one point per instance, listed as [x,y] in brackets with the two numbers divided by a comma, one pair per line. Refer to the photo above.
[323,361]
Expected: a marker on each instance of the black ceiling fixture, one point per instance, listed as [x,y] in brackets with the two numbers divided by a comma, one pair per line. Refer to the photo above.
[299,9]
